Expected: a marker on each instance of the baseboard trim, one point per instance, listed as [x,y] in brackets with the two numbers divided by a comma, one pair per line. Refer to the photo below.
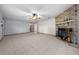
[47,34]
[16,34]
[29,32]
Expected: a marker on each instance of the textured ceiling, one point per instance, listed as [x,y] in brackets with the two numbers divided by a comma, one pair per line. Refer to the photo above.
[24,11]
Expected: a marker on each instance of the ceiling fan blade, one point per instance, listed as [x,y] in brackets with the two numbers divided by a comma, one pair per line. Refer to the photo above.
[46,17]
[28,10]
[28,14]
[40,7]
[25,8]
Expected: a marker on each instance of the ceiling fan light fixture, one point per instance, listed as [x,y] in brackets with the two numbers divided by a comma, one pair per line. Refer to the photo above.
[35,17]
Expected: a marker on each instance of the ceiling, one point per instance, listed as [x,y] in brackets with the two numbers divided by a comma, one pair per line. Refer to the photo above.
[23,12]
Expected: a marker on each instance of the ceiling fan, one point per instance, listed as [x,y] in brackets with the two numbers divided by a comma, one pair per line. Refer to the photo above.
[34,15]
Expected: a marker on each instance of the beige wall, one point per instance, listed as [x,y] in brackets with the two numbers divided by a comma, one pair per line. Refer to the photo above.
[14,27]
[47,26]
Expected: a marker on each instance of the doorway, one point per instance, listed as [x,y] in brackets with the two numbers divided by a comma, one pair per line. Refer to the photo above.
[32,28]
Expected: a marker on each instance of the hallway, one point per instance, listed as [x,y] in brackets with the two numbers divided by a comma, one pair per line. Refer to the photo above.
[34,44]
